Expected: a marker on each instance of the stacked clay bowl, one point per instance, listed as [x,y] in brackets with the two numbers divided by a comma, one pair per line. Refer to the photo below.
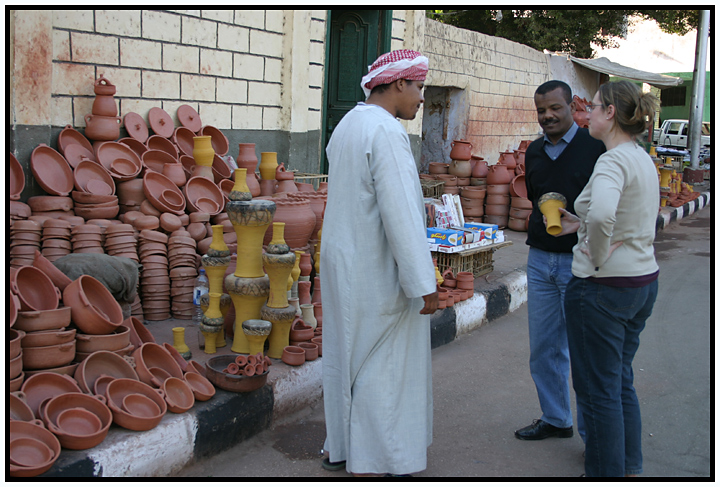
[79,421]
[472,199]
[102,363]
[202,388]
[119,160]
[184,140]
[158,142]
[131,412]
[99,200]
[520,205]
[56,239]
[57,277]
[69,136]
[87,239]
[51,171]
[204,196]
[154,279]
[153,362]
[131,195]
[25,237]
[32,449]
[178,395]
[46,385]
[163,194]
[183,272]
[118,342]
[94,309]
[15,359]
[120,241]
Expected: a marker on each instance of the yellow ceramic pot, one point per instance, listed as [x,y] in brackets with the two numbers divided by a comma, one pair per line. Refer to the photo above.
[203,152]
[179,340]
[550,204]
[268,165]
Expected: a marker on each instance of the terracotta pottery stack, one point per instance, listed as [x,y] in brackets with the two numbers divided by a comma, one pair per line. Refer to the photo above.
[155,278]
[56,239]
[51,206]
[183,271]
[87,239]
[479,174]
[460,165]
[520,205]
[472,199]
[130,195]
[119,160]
[25,239]
[136,309]
[299,219]
[103,124]
[203,195]
[497,199]
[117,341]
[120,241]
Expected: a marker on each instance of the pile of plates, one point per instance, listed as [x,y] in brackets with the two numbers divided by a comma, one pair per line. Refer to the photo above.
[56,239]
[87,239]
[183,272]
[120,241]
[25,238]
[154,279]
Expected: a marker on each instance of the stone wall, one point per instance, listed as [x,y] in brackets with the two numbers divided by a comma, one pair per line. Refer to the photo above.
[256,75]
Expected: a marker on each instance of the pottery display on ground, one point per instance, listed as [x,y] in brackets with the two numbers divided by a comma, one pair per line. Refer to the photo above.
[230,382]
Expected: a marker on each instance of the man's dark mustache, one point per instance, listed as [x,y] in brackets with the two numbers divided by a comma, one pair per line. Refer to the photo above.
[552,120]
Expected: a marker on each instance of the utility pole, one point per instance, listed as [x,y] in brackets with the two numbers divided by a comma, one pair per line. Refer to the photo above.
[694,174]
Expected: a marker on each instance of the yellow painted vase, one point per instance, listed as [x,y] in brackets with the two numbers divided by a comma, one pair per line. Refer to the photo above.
[550,204]
[281,319]
[203,151]
[256,332]
[250,219]
[240,191]
[268,165]
[179,342]
[665,176]
[248,296]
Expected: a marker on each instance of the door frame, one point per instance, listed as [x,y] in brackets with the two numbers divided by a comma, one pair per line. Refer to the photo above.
[385,31]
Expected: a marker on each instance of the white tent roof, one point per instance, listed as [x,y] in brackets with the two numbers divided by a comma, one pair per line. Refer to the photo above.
[604,65]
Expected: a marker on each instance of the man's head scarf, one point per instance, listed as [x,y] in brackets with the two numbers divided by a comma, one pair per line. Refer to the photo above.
[394,65]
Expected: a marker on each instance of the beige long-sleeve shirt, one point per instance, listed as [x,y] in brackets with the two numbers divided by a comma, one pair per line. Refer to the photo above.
[619,203]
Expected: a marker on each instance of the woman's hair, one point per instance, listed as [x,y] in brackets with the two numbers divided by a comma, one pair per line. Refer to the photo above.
[633,108]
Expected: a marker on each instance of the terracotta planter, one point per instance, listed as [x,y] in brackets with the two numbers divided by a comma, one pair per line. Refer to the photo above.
[104,105]
[94,309]
[480,170]
[521,203]
[517,224]
[507,159]
[293,355]
[498,189]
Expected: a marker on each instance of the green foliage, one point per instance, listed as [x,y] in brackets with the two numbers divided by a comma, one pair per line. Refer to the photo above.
[570,31]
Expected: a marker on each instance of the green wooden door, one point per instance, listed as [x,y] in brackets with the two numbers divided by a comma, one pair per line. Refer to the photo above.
[355,39]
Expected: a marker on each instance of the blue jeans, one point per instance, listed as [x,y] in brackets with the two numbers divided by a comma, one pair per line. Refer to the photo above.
[548,273]
[604,325]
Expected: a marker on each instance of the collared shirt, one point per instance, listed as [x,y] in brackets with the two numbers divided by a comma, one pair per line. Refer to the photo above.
[554,150]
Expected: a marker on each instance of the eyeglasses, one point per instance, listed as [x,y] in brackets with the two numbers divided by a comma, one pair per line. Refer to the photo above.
[590,108]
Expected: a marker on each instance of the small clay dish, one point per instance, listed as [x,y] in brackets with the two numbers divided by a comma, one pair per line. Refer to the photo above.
[52,172]
[155,159]
[17,178]
[101,384]
[69,136]
[158,142]
[78,422]
[124,169]
[140,405]
[35,430]
[41,386]
[29,452]
[178,395]
[87,171]
[202,388]
[293,355]
[219,141]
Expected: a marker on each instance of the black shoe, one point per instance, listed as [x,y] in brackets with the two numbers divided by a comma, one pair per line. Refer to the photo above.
[539,430]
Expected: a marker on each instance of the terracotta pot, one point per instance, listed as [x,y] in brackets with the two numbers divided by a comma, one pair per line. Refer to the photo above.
[34,289]
[46,338]
[178,395]
[517,186]
[500,221]
[498,189]
[497,210]
[102,128]
[517,224]
[57,277]
[299,219]
[521,203]
[32,321]
[519,213]
[519,157]
[23,430]
[198,188]
[497,199]
[219,142]
[448,179]
[293,355]
[131,192]
[507,159]
[480,170]
[17,178]
[460,150]
[117,391]
[438,168]
[311,350]
[94,309]
[140,405]
[498,174]
[105,106]
[299,331]
[473,192]
[95,405]
[48,356]
[460,168]
[158,142]
[102,363]
[183,138]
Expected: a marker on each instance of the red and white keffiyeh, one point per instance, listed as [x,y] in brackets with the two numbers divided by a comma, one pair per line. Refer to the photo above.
[400,64]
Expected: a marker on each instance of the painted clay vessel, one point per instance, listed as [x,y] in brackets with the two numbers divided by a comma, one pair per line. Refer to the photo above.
[268,165]
[507,158]
[460,168]
[550,204]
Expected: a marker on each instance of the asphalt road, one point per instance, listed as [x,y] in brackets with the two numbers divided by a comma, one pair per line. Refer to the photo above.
[483,392]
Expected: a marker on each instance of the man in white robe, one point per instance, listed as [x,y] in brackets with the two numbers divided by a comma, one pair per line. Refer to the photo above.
[379,286]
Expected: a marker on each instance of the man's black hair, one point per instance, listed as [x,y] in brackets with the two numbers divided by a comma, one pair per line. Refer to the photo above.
[549,86]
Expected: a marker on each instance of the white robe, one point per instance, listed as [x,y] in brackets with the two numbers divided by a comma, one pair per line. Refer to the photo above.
[375,266]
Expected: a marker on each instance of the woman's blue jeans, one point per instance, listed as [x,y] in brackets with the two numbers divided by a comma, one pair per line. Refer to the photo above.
[603,327]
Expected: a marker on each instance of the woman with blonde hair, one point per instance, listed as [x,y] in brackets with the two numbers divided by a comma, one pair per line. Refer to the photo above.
[614,284]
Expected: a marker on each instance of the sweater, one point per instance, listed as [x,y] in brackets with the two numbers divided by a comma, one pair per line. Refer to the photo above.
[619,203]
[567,175]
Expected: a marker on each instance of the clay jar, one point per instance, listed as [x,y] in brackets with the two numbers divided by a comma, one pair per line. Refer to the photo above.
[499,174]
[104,105]
[460,150]
[507,158]
[465,280]
[460,168]
[299,220]
[481,169]
[247,158]
[102,128]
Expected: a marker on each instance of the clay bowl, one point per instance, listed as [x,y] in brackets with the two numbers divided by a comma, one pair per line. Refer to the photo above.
[80,437]
[34,289]
[76,153]
[183,138]
[118,339]
[69,136]
[29,452]
[202,388]
[33,430]
[155,160]
[155,186]
[158,142]
[15,367]
[498,189]
[521,203]
[87,171]
[311,350]
[300,332]
[101,384]
[124,170]
[197,367]
[47,338]
[48,356]
[102,363]
[18,408]
[229,382]
[159,374]
[219,141]
[472,192]
[293,355]
[80,356]
[140,405]
[39,387]
[318,341]
[136,146]
[83,198]
[517,186]
[51,171]
[222,171]
[178,395]
[17,178]
[154,355]
[77,422]
[15,339]
[94,309]
[116,392]
[198,187]
[57,277]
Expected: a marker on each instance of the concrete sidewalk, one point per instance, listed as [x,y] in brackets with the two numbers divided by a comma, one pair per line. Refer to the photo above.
[229,418]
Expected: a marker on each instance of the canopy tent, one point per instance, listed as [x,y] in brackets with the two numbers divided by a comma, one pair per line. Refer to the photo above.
[604,65]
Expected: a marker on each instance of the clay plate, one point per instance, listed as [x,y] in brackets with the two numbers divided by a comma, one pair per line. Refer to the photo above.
[75,153]
[51,171]
[136,126]
[189,118]
[161,122]
[17,178]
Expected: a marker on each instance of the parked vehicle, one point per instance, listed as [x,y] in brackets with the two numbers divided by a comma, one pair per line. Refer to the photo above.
[674,133]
